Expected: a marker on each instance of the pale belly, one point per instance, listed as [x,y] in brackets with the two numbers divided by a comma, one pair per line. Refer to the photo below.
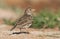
[24,26]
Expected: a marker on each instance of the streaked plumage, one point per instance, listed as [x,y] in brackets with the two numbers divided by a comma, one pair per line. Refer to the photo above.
[25,21]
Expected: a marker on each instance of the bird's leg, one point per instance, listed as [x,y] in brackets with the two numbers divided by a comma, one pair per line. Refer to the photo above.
[27,30]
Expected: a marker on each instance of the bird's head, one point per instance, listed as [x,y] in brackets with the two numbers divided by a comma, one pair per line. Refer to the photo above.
[29,11]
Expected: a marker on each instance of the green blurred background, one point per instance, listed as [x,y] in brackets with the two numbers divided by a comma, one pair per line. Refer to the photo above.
[46,15]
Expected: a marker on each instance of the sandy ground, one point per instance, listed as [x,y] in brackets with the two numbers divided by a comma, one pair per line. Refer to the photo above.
[5,34]
[33,33]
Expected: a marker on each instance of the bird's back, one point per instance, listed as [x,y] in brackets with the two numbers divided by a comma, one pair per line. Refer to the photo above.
[24,20]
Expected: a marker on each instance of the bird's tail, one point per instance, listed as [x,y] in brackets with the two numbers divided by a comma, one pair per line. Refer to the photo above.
[13,27]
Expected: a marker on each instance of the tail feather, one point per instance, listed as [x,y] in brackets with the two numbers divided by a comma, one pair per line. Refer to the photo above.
[13,27]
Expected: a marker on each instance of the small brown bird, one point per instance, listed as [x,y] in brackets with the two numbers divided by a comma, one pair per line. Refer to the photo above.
[25,21]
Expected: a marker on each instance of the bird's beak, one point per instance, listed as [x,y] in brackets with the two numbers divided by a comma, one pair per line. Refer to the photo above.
[33,10]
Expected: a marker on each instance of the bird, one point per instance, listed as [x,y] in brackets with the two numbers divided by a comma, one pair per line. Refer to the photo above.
[25,21]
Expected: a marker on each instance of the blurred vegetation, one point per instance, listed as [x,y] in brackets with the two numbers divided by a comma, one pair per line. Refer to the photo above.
[9,22]
[45,18]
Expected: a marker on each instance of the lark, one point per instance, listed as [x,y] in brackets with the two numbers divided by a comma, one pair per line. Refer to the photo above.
[25,21]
